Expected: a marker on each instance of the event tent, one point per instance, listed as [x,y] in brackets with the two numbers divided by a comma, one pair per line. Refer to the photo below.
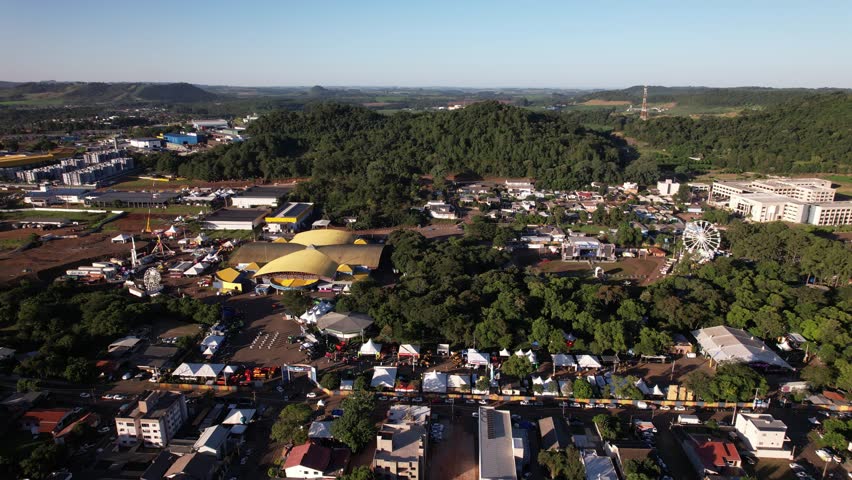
[344,326]
[562,360]
[409,350]
[588,361]
[435,382]
[239,416]
[198,370]
[458,382]
[370,348]
[475,358]
[211,344]
[723,344]
[121,238]
[505,353]
[443,349]
[384,377]
[196,269]
[529,354]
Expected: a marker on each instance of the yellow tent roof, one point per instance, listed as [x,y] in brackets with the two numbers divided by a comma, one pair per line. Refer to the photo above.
[323,237]
[360,241]
[252,267]
[280,240]
[309,261]
[228,275]
[344,268]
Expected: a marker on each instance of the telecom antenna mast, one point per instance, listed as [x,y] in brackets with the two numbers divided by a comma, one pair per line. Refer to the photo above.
[643,114]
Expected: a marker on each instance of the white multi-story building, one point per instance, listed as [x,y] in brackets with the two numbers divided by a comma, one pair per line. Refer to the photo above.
[668,187]
[762,434]
[154,421]
[520,188]
[401,444]
[795,200]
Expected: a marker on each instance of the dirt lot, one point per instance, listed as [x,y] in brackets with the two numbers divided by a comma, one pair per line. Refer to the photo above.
[455,457]
[51,259]
[643,270]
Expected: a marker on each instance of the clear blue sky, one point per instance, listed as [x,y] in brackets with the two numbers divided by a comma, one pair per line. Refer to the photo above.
[591,43]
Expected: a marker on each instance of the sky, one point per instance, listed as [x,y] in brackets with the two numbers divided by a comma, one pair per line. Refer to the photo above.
[462,43]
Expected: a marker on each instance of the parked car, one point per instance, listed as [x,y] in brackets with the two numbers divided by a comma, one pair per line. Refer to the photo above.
[483,402]
[417,399]
[525,402]
[680,408]
[85,395]
[311,395]
[824,455]
[665,408]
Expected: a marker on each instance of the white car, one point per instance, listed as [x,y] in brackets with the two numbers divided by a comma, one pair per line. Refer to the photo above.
[383,398]
[311,395]
[796,467]
[680,408]
[118,396]
[525,402]
[665,408]
[106,397]
[475,414]
[824,455]
[483,402]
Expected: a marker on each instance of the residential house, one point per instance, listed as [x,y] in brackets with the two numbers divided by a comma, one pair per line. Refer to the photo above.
[311,460]
[763,435]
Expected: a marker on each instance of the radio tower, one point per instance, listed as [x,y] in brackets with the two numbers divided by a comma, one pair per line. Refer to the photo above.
[643,114]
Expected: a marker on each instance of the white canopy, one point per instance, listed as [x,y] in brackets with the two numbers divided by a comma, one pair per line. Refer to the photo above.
[656,391]
[121,238]
[562,360]
[206,370]
[171,231]
[443,349]
[370,348]
[239,416]
[435,382]
[458,381]
[505,353]
[588,361]
[196,269]
[409,350]
[529,354]
[384,377]
[476,358]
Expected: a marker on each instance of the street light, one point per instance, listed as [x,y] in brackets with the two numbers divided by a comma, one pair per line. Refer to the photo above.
[825,468]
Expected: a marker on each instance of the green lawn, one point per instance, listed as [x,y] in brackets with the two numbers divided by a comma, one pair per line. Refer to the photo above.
[171,209]
[73,216]
[138,183]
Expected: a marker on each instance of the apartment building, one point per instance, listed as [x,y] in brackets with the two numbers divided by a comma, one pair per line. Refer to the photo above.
[832,213]
[762,434]
[810,190]
[401,444]
[768,207]
[154,421]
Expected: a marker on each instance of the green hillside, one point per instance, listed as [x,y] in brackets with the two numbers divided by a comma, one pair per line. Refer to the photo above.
[97,92]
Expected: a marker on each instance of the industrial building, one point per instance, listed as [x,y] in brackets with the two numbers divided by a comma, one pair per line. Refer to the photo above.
[260,197]
[577,248]
[208,124]
[183,138]
[292,216]
[131,199]
[146,143]
[501,452]
[235,219]
[154,421]
[795,200]
[726,344]
[46,196]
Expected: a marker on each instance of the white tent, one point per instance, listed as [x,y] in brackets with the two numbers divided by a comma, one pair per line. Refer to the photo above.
[196,370]
[656,391]
[316,311]
[409,350]
[201,238]
[239,416]
[370,348]
[435,382]
[443,349]
[384,377]
[562,360]
[475,358]
[588,361]
[196,269]
[121,238]
[505,353]
[458,381]
[211,344]
[172,231]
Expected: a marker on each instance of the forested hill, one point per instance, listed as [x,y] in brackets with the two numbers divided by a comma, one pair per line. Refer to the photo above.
[809,134]
[706,96]
[367,164]
[98,92]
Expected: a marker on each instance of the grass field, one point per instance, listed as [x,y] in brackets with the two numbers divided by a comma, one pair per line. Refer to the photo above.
[171,209]
[73,216]
[135,183]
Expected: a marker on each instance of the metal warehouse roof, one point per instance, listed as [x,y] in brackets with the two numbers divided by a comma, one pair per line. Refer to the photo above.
[265,252]
[723,343]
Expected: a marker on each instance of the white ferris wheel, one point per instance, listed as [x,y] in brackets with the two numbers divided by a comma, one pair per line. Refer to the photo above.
[152,280]
[701,237]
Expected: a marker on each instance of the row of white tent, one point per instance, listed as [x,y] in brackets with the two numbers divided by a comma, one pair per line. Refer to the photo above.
[578,362]
[373,348]
[202,370]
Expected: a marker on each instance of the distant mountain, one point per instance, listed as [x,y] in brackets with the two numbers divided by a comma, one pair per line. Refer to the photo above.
[175,93]
[98,92]
[703,96]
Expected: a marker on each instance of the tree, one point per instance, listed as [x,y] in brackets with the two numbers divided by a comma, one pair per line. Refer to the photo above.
[330,381]
[818,376]
[608,426]
[517,366]
[42,461]
[25,385]
[361,472]
[483,384]
[290,426]
[563,465]
[625,387]
[79,370]
[732,382]
[361,383]
[684,193]
[652,342]
[582,388]
[294,302]
[641,469]
[353,431]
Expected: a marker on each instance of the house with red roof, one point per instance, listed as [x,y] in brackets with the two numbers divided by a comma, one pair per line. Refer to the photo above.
[311,460]
[712,457]
[45,420]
